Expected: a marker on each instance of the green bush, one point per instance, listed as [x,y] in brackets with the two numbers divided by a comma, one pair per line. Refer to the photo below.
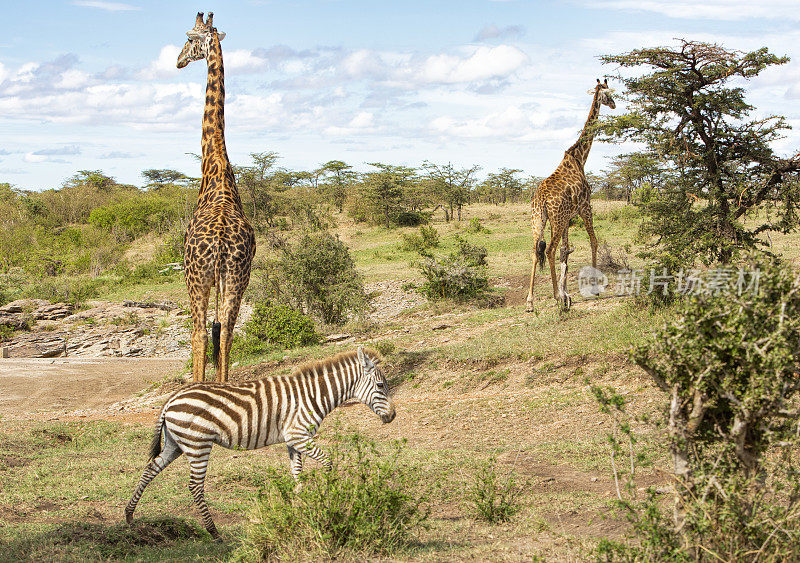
[63,290]
[281,325]
[727,364]
[494,498]
[476,227]
[427,238]
[171,248]
[136,216]
[368,505]
[461,275]
[318,275]
[246,346]
[411,218]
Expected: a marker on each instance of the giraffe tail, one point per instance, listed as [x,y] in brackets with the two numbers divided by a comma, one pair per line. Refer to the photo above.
[540,248]
[216,327]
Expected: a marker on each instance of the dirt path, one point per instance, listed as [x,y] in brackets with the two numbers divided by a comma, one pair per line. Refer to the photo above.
[38,387]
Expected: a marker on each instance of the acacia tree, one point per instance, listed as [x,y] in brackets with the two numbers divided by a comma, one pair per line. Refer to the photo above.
[633,173]
[452,186]
[255,181]
[684,109]
[383,192]
[159,177]
[337,176]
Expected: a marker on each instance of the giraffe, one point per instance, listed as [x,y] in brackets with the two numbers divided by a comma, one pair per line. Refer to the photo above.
[220,243]
[563,195]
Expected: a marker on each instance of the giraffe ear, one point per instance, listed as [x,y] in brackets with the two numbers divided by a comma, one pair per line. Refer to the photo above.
[590,91]
[221,35]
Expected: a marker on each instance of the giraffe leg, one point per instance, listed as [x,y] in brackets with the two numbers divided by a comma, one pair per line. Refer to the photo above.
[198,464]
[538,220]
[199,307]
[556,232]
[230,310]
[586,216]
[170,453]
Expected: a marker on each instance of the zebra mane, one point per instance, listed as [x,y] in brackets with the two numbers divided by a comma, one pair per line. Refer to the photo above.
[373,355]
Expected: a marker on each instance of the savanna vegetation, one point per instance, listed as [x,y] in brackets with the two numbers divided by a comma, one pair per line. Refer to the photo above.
[653,428]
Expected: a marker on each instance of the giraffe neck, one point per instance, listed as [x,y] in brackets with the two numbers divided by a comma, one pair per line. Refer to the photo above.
[216,167]
[580,150]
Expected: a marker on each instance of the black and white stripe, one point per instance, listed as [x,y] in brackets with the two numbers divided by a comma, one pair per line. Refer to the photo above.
[267,411]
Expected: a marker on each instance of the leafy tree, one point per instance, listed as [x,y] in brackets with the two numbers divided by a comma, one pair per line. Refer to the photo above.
[159,177]
[337,177]
[684,109]
[383,193]
[634,173]
[501,187]
[255,182]
[451,186]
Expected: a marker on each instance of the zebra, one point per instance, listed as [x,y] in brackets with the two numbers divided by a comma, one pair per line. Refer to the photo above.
[276,409]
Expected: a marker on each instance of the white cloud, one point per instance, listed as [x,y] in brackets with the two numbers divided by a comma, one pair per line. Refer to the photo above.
[484,63]
[165,66]
[72,80]
[108,6]
[242,60]
[511,122]
[728,10]
[491,31]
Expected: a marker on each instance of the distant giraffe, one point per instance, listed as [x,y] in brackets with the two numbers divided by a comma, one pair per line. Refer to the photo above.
[563,195]
[220,243]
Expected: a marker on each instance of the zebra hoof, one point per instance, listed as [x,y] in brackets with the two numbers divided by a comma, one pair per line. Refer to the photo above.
[128,518]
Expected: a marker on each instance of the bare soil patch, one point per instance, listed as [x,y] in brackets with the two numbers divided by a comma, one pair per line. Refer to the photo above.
[42,388]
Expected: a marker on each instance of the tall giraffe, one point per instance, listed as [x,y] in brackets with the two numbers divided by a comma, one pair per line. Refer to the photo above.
[563,195]
[220,243]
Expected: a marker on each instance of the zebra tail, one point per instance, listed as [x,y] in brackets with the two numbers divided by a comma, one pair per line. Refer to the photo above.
[155,445]
[540,254]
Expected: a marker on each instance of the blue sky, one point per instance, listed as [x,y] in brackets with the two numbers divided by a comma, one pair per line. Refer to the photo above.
[88,84]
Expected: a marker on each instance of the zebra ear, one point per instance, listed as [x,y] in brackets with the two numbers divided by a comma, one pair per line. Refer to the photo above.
[362,359]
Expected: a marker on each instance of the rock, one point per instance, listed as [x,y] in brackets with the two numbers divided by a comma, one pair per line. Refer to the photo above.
[14,321]
[52,312]
[336,337]
[141,305]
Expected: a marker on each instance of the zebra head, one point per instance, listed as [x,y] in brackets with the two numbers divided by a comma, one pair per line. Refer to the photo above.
[372,389]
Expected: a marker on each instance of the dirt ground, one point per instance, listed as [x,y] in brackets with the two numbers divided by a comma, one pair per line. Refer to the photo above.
[42,388]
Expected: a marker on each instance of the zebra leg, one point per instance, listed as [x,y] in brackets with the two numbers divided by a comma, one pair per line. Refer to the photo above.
[296,460]
[170,453]
[198,464]
[306,445]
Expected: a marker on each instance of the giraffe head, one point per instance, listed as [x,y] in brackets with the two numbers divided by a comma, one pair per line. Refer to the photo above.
[199,41]
[604,93]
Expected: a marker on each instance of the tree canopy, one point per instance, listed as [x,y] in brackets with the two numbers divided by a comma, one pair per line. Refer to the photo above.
[688,107]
